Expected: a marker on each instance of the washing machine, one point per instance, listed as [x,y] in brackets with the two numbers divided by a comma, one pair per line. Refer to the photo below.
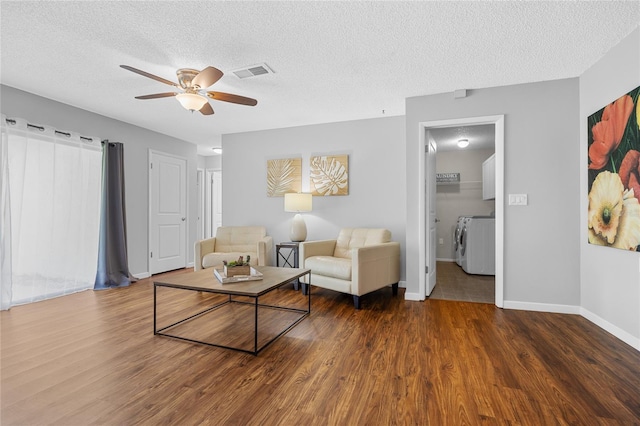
[478,245]
[457,246]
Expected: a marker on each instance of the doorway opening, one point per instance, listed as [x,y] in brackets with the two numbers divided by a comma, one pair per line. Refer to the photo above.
[465,250]
[427,217]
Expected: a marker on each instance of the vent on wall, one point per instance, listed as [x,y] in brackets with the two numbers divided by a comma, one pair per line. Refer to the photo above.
[253,71]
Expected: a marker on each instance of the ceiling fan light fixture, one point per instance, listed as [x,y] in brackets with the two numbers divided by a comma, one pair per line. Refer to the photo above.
[463,143]
[191,101]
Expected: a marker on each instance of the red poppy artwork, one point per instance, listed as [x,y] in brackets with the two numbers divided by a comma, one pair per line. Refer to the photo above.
[614,174]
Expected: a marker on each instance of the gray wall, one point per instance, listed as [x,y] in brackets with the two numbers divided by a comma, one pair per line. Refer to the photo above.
[137,142]
[610,278]
[210,162]
[464,198]
[541,240]
[376,150]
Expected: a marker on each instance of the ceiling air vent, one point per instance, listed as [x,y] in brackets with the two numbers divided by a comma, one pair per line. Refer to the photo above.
[253,71]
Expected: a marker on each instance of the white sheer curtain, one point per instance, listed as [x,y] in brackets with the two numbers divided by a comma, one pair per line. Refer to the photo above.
[5,221]
[54,187]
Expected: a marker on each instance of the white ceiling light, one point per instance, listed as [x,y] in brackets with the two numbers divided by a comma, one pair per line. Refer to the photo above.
[217,150]
[191,101]
[463,143]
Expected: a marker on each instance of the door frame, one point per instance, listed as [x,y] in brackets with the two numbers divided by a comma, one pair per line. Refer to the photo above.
[200,178]
[498,122]
[430,208]
[151,152]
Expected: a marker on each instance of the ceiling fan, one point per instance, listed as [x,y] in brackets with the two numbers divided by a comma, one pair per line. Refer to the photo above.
[193,84]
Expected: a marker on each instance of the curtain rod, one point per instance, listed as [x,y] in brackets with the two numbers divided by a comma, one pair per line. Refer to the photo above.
[58,132]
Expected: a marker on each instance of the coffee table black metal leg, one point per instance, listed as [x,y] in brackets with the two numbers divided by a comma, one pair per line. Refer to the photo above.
[255,336]
[308,288]
[155,304]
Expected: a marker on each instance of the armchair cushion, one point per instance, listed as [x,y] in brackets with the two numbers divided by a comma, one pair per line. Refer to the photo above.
[350,238]
[238,238]
[210,260]
[330,266]
[232,242]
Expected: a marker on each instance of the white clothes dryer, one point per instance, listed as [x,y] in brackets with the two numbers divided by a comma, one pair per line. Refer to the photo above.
[478,245]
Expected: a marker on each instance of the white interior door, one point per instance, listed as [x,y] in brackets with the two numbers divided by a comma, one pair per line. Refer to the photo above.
[168,212]
[213,202]
[430,217]
[217,199]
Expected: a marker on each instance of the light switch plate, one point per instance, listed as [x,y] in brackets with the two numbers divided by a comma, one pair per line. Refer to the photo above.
[518,200]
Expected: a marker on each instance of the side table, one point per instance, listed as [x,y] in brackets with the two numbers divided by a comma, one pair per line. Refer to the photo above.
[288,253]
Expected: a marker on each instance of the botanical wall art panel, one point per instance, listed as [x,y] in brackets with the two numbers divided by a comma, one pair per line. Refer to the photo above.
[614,174]
[329,175]
[284,175]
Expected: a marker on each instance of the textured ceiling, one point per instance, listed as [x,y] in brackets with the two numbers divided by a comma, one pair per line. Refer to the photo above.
[333,61]
[479,137]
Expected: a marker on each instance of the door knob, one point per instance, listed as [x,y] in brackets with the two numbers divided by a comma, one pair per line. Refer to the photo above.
[184,218]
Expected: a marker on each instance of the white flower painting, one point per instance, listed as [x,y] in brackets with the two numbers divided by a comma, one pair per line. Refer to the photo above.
[329,175]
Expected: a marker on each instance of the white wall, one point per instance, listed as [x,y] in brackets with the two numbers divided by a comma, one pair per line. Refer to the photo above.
[137,142]
[610,278]
[376,150]
[464,198]
[210,162]
[541,240]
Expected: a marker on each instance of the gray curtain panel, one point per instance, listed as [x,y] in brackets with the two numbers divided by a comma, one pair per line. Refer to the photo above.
[113,265]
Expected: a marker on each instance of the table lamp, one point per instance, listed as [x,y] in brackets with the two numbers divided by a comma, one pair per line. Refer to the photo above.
[297,202]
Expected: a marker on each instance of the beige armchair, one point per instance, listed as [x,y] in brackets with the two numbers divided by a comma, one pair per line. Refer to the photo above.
[358,262]
[231,242]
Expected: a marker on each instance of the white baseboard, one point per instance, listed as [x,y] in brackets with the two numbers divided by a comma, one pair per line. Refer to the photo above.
[630,340]
[142,275]
[438,259]
[619,333]
[542,307]
[402,284]
[190,265]
[413,296]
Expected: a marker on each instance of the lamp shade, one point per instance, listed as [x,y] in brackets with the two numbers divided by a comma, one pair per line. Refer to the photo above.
[297,202]
[191,101]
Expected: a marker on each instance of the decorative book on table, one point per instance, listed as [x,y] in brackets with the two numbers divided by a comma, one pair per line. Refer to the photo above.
[222,277]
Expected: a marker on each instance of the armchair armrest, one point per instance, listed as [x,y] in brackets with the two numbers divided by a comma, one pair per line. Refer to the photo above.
[374,267]
[265,251]
[201,248]
[307,249]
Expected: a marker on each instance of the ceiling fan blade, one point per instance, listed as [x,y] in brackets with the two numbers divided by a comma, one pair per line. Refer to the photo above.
[151,76]
[207,77]
[228,97]
[157,95]
[206,109]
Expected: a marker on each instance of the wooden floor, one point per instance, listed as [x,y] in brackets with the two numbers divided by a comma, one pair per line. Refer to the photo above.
[92,358]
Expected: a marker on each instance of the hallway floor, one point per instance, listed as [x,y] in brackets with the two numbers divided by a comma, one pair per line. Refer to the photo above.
[452,283]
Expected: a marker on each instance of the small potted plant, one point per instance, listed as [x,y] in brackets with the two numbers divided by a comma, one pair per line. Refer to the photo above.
[237,267]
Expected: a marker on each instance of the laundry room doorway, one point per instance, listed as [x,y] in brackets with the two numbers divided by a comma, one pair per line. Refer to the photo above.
[429,135]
